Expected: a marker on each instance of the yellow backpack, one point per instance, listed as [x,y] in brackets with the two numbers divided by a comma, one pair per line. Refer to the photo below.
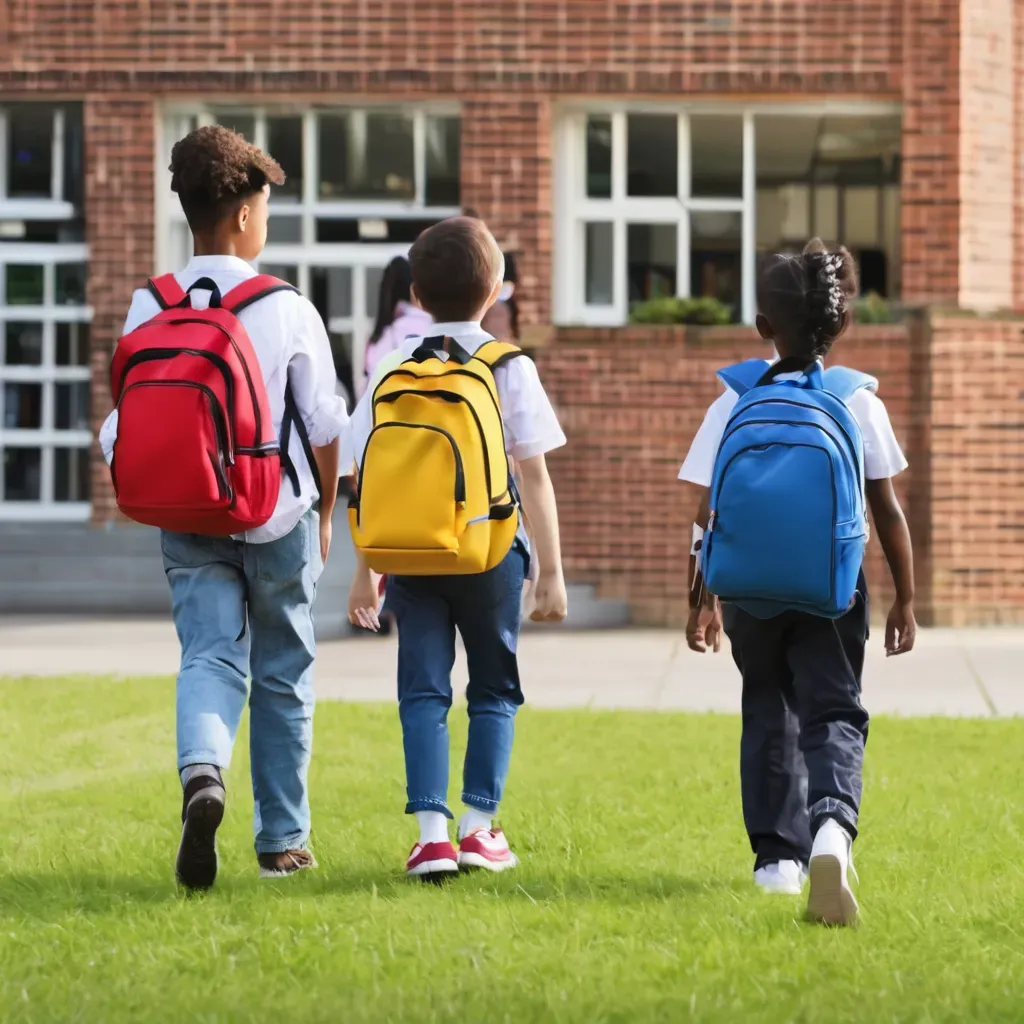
[435,496]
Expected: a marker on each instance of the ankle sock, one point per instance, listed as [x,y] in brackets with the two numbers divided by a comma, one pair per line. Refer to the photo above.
[190,771]
[474,818]
[433,827]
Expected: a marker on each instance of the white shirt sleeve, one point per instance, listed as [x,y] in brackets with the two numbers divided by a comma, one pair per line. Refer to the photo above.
[699,465]
[531,426]
[144,307]
[312,377]
[883,456]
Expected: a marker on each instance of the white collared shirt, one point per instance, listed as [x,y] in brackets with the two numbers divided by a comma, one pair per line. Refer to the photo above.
[883,457]
[531,426]
[290,343]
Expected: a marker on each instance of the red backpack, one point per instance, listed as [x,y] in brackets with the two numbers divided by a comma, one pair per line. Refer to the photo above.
[195,450]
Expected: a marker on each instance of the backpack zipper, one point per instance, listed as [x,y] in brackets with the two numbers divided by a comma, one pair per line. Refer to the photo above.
[460,474]
[238,352]
[216,413]
[452,397]
[151,355]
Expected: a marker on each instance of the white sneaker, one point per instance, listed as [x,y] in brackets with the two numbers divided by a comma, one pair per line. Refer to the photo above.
[831,900]
[783,878]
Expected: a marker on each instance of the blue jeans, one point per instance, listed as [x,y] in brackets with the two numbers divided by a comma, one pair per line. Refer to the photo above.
[485,610]
[246,609]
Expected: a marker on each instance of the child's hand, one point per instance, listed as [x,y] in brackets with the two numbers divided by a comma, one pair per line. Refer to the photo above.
[550,602]
[364,601]
[325,538]
[704,629]
[900,629]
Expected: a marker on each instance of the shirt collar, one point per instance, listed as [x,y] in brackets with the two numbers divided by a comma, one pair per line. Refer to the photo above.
[207,264]
[467,333]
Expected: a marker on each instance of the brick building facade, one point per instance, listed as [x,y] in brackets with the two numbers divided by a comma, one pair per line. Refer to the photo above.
[554,102]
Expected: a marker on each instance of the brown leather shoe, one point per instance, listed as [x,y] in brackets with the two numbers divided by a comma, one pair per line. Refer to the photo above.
[288,862]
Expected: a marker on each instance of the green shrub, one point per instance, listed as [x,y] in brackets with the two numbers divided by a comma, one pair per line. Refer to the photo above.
[873,309]
[706,312]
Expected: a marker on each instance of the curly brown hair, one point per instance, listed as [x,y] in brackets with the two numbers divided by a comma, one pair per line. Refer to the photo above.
[213,169]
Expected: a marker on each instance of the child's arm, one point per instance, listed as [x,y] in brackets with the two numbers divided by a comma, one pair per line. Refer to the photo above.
[326,458]
[550,601]
[704,625]
[364,596]
[901,626]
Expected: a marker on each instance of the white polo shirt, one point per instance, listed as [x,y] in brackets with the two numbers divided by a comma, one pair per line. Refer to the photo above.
[883,457]
[290,343]
[531,426]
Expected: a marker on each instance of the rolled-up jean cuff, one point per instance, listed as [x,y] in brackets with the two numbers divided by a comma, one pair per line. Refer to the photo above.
[298,843]
[481,803]
[429,805]
[836,809]
[203,757]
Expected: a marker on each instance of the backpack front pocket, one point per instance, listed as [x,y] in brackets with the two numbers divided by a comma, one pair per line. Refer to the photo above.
[412,487]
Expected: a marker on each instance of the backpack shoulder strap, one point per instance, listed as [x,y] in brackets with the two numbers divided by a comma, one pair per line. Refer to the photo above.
[844,383]
[497,353]
[166,290]
[256,288]
[741,377]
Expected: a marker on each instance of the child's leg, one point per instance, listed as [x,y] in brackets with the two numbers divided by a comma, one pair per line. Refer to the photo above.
[281,578]
[426,654]
[826,657]
[773,777]
[487,614]
[208,598]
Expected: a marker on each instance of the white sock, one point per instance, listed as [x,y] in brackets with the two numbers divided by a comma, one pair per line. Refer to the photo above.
[473,818]
[433,827]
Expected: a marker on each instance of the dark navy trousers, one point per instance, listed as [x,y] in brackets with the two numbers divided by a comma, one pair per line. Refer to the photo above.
[804,727]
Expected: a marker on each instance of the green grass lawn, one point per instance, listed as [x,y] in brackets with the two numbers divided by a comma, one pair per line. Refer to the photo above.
[633,902]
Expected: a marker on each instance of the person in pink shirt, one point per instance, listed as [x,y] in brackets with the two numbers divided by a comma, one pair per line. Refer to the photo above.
[398,317]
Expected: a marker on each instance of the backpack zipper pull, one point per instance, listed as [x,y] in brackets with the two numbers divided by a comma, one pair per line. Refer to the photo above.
[711,522]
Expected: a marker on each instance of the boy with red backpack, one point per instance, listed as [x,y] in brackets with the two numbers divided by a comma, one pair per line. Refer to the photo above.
[226,421]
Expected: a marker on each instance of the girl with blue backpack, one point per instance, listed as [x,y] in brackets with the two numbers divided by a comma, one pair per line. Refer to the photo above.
[789,460]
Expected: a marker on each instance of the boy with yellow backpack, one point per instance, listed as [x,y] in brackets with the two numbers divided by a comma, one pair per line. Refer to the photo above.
[437,510]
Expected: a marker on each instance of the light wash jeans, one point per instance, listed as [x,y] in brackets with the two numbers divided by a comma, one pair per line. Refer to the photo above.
[246,609]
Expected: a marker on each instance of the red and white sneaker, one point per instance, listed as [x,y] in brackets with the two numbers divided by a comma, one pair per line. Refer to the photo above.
[486,848]
[432,860]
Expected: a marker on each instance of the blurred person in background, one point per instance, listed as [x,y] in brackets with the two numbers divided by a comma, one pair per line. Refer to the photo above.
[398,317]
[502,319]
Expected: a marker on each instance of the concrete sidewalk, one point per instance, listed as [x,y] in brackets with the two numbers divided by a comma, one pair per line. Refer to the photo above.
[961,673]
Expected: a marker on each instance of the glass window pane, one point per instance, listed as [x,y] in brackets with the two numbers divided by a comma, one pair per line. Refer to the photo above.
[72,344]
[30,150]
[70,284]
[599,157]
[444,136]
[283,229]
[367,156]
[652,155]
[651,257]
[241,121]
[332,291]
[71,405]
[373,277]
[284,143]
[282,271]
[341,350]
[24,285]
[23,469]
[600,275]
[74,153]
[71,468]
[23,406]
[715,258]
[23,344]
[716,156]
[180,245]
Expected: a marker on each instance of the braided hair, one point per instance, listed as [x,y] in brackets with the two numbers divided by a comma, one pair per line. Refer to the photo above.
[806,298]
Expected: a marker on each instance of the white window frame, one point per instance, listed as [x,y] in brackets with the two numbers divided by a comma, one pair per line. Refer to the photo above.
[174,121]
[574,209]
[49,255]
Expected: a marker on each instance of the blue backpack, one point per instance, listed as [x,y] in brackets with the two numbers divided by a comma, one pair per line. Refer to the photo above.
[788,520]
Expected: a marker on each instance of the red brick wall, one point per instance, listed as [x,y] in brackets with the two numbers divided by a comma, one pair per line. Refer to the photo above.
[987,158]
[630,402]
[119,148]
[977,467]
